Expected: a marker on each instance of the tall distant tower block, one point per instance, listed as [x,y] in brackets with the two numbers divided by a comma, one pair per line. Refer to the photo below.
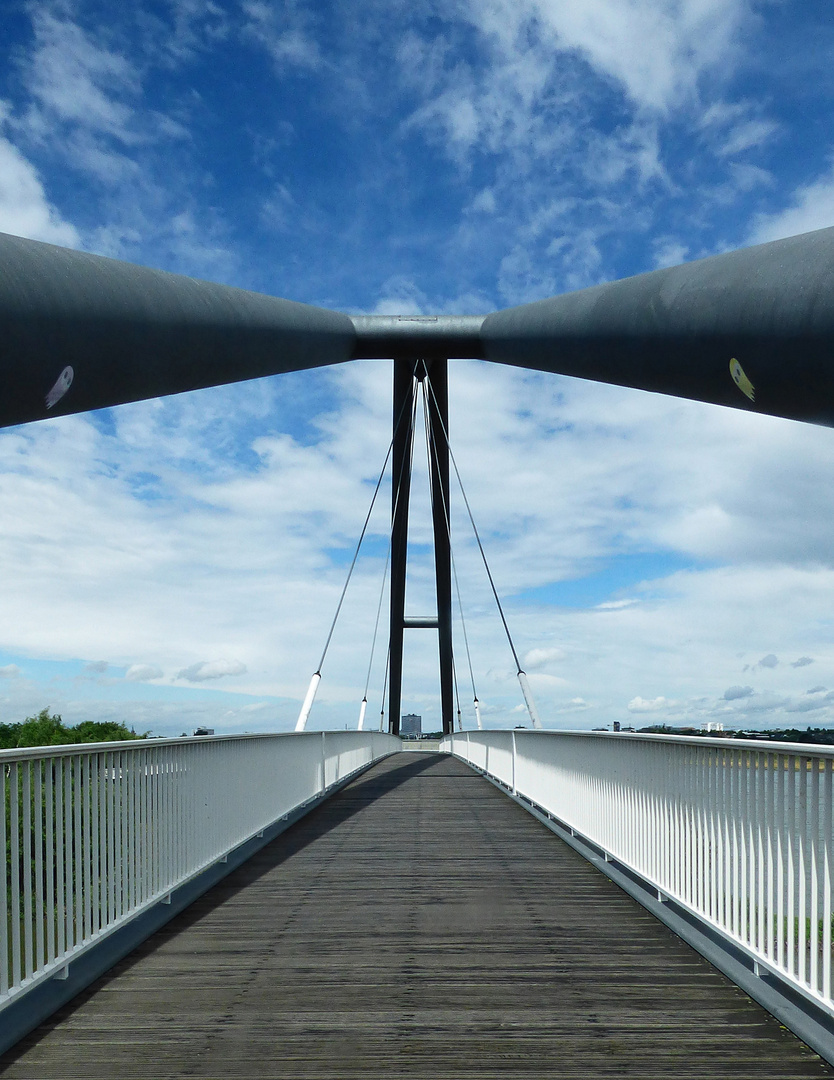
[411,724]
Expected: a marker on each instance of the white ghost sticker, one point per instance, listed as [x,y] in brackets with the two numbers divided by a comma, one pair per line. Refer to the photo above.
[60,388]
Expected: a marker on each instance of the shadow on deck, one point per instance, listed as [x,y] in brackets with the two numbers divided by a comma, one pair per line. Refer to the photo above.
[417,924]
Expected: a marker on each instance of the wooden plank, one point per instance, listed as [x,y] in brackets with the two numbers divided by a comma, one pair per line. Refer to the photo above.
[418,924]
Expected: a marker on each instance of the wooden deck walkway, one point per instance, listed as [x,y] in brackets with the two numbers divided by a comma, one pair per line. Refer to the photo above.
[417,924]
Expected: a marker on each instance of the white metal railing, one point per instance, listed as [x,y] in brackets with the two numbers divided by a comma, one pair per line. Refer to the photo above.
[738,833]
[95,834]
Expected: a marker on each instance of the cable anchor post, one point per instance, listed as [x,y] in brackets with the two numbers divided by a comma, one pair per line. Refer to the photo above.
[528,699]
[303,716]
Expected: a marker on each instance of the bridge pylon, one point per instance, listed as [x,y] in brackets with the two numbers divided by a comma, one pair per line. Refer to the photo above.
[407,373]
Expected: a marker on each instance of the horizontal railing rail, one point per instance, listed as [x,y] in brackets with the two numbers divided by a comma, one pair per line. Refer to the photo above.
[737,833]
[94,835]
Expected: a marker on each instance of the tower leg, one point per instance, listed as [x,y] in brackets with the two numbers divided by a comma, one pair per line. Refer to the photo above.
[438,403]
[401,489]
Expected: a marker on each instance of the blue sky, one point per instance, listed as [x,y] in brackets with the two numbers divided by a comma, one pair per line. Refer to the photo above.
[177,562]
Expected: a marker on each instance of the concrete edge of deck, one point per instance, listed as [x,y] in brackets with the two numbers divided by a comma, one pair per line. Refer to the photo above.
[803,1017]
[32,1007]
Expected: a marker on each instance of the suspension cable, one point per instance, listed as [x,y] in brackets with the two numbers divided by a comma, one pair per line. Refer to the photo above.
[520,672]
[361,538]
[353,560]
[478,538]
[396,503]
[307,705]
[457,697]
[447,519]
[376,630]
[384,689]
[445,509]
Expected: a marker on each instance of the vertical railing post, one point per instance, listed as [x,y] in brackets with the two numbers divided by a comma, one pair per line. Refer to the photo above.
[4,895]
[26,842]
[14,843]
[38,832]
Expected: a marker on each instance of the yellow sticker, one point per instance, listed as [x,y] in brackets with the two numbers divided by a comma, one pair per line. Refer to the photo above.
[741,380]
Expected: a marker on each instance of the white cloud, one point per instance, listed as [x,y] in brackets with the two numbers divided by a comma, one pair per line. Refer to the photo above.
[78,80]
[810,207]
[656,49]
[25,209]
[541,658]
[542,681]
[644,705]
[733,128]
[804,706]
[86,116]
[9,671]
[520,109]
[766,703]
[143,672]
[753,133]
[212,669]
[400,296]
[736,693]
[483,203]
[286,33]
[669,251]
[197,24]
[279,208]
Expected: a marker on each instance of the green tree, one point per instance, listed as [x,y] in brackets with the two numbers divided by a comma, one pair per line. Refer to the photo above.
[102,731]
[46,729]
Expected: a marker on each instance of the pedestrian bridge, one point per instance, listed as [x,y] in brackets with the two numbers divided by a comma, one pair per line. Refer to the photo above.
[323,905]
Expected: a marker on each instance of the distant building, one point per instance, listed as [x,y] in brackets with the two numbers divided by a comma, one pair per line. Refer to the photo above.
[204,731]
[712,725]
[411,724]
